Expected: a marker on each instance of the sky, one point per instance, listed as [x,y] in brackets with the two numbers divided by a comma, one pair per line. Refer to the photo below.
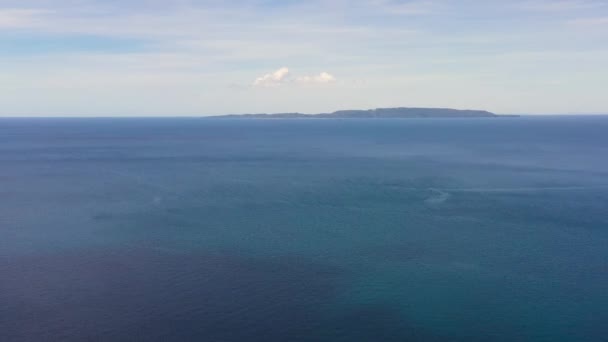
[207,57]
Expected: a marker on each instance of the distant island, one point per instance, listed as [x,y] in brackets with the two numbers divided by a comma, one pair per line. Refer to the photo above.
[379,113]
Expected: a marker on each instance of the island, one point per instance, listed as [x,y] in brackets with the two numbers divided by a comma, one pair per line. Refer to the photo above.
[379,113]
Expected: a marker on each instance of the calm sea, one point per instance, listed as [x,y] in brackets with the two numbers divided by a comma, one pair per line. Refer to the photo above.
[304,230]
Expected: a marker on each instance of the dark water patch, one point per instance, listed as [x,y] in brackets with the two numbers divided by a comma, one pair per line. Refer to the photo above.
[400,252]
[375,323]
[149,295]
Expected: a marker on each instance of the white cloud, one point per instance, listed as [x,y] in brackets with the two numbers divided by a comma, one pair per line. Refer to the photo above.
[282,77]
[323,77]
[272,80]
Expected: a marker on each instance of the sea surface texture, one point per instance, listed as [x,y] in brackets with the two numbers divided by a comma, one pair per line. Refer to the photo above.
[304,230]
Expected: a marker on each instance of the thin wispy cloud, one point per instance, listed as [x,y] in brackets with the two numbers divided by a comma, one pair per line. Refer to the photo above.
[15,18]
[591,22]
[406,7]
[561,5]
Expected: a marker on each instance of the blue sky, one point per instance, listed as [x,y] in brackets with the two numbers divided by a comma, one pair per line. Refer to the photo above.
[188,57]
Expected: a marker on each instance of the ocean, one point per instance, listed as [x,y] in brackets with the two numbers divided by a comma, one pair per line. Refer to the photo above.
[193,229]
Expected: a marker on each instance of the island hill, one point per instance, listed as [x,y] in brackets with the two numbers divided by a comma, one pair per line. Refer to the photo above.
[380,113]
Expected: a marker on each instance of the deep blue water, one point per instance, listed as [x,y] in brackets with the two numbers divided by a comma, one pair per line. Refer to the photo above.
[304,230]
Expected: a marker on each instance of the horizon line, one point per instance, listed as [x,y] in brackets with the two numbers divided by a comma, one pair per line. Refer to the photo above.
[163,116]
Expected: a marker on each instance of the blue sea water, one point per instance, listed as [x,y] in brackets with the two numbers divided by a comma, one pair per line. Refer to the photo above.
[304,230]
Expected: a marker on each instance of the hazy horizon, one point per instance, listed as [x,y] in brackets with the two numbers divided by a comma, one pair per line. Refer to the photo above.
[204,115]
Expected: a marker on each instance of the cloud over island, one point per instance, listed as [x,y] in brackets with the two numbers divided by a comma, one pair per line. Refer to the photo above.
[283,76]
